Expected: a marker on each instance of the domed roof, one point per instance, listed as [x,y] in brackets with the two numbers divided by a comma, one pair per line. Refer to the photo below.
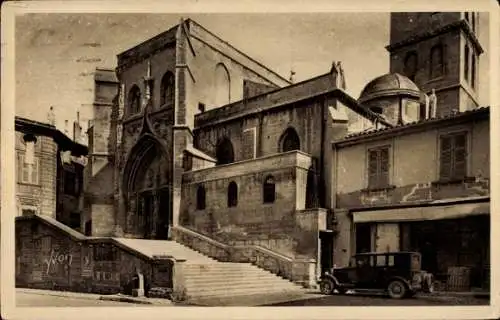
[390,84]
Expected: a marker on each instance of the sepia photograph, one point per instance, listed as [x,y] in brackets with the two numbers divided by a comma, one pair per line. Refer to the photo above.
[183,159]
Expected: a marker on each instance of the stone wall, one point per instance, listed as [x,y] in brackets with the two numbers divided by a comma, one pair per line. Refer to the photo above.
[272,225]
[305,118]
[50,258]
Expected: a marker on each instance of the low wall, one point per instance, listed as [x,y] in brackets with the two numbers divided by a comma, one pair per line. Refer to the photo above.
[49,256]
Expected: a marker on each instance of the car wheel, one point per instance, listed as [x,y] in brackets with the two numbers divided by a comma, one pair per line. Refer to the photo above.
[326,287]
[397,289]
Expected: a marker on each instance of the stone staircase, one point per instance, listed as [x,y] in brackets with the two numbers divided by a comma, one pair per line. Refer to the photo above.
[219,280]
[207,279]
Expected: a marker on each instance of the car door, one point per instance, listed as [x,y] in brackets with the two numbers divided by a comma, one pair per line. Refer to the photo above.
[365,272]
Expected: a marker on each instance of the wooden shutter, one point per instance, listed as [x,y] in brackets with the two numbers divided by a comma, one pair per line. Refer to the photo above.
[459,156]
[445,158]
[383,178]
[372,168]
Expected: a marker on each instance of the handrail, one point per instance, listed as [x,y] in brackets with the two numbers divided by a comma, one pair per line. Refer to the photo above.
[225,246]
[203,237]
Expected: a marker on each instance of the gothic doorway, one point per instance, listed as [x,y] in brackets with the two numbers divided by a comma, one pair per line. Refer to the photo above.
[147,186]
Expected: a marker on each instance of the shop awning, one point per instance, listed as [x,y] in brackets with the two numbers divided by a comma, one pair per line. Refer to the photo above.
[421,213]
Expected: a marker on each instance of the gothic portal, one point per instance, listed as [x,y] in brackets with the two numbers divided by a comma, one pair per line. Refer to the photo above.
[147,189]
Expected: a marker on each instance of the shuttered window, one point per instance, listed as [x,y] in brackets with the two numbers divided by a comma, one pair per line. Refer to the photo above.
[378,167]
[453,156]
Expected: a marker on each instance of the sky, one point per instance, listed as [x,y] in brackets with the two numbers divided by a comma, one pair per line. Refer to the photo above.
[56,53]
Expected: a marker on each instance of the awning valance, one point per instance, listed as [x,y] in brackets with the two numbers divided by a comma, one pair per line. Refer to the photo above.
[438,212]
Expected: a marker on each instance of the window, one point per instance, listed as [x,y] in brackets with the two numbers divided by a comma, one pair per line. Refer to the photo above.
[232,194]
[200,198]
[436,62]
[378,167]
[105,252]
[290,140]
[134,100]
[74,220]
[222,85]
[28,173]
[473,71]
[71,183]
[167,98]
[269,190]
[466,62]
[381,261]
[88,228]
[224,152]
[410,67]
[453,156]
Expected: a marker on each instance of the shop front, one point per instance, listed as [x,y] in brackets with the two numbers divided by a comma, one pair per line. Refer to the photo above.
[454,239]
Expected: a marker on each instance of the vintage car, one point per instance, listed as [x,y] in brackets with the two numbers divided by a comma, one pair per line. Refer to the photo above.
[398,274]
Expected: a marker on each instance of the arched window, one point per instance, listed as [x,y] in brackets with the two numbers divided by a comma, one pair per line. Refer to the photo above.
[167,90]
[134,100]
[200,198]
[222,85]
[224,152]
[290,140]
[269,190]
[411,65]
[232,194]
[436,62]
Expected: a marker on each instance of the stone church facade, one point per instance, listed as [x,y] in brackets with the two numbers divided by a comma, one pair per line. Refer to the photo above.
[208,147]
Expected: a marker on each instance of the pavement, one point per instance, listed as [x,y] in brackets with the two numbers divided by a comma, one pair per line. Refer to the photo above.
[35,297]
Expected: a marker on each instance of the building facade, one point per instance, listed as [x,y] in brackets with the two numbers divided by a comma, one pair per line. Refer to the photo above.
[198,143]
[422,185]
[49,172]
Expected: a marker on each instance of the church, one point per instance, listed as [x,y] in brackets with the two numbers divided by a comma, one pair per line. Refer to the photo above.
[195,143]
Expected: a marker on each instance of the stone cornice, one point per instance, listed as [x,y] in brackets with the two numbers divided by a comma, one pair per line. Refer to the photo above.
[275,162]
[462,24]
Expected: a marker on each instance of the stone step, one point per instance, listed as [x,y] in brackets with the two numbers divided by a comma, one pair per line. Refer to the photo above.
[215,267]
[242,292]
[240,287]
[218,279]
[208,273]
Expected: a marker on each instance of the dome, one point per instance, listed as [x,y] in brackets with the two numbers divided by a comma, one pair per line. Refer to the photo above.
[391,84]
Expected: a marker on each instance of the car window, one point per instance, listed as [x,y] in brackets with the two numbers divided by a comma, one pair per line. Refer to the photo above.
[381,261]
[363,261]
[390,261]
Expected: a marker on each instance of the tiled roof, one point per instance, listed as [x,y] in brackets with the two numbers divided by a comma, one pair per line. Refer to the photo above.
[413,124]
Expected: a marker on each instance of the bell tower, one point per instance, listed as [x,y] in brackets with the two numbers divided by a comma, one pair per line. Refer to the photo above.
[440,51]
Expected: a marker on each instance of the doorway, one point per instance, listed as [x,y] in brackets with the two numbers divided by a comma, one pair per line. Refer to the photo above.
[326,250]
[164,216]
[363,237]
[147,204]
